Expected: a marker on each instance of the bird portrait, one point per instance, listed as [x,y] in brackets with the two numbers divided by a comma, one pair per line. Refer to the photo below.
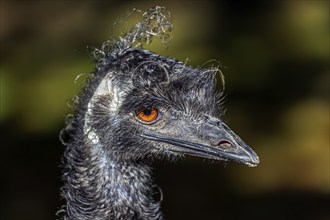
[178,110]
[136,107]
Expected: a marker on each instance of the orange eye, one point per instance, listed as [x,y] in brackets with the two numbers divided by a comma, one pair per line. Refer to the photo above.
[147,115]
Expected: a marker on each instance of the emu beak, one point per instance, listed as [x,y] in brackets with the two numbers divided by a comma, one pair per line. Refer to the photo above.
[217,142]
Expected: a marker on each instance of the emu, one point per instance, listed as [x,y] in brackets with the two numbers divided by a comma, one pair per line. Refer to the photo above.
[138,106]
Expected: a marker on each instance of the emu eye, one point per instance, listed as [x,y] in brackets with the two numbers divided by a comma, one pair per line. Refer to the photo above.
[147,115]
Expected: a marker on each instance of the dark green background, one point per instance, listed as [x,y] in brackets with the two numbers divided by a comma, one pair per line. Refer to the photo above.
[274,55]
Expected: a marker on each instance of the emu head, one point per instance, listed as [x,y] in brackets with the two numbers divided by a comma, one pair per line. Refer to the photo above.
[142,104]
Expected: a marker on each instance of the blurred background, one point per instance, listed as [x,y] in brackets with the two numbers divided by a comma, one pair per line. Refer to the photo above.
[274,55]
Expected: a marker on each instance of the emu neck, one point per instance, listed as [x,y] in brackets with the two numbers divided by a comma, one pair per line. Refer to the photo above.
[101,187]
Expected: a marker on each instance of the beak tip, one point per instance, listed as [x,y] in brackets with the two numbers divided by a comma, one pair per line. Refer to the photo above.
[254,161]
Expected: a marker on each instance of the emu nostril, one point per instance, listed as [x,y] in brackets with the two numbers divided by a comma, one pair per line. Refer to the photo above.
[224,144]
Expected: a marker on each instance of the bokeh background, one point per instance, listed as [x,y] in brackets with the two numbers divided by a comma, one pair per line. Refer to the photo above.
[274,55]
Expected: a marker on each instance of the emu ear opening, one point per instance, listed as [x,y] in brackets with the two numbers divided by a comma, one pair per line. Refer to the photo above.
[109,87]
[149,73]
